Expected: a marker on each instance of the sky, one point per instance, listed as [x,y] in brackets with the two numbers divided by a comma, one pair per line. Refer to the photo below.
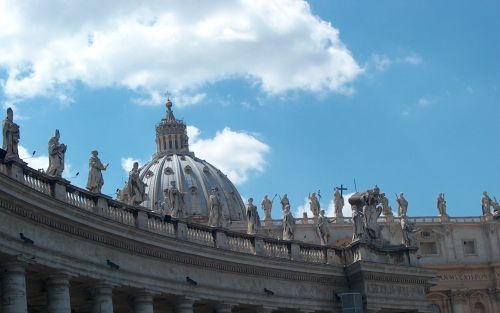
[283,96]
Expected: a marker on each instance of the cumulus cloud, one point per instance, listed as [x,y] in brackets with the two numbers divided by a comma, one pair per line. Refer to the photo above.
[128,163]
[382,62]
[236,154]
[179,46]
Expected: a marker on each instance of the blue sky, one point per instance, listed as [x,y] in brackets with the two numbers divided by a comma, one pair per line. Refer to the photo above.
[286,97]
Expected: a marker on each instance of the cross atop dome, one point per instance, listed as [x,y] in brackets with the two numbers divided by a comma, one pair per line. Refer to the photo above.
[171,134]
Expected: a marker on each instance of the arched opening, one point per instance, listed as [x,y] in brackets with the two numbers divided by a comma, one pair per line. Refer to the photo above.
[479,308]
[435,308]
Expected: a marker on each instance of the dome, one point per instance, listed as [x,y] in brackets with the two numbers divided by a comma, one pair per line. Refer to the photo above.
[175,167]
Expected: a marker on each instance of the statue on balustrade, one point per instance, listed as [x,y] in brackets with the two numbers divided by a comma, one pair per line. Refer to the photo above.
[323,228]
[386,208]
[284,202]
[409,230]
[314,205]
[288,224]
[358,223]
[11,136]
[366,209]
[267,206]
[441,205]
[338,203]
[56,156]
[496,208]
[174,200]
[403,205]
[215,210]
[95,180]
[136,189]
[253,218]
[486,204]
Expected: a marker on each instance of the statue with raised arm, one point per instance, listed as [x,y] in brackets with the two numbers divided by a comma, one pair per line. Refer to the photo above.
[288,224]
[486,204]
[338,203]
[314,205]
[95,180]
[215,209]
[136,188]
[324,232]
[56,156]
[267,206]
[11,136]
[284,202]
[253,218]
[441,205]
[402,205]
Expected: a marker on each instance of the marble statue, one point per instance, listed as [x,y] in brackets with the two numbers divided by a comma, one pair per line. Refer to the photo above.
[386,208]
[136,189]
[496,208]
[284,202]
[215,210]
[486,204]
[408,229]
[441,205]
[267,206]
[371,213]
[314,205]
[253,218]
[358,223]
[56,156]
[95,180]
[323,228]
[403,205]
[11,136]
[305,218]
[174,200]
[338,203]
[288,224]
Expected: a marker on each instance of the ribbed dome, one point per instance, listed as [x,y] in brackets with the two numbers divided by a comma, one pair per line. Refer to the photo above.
[195,178]
[175,168]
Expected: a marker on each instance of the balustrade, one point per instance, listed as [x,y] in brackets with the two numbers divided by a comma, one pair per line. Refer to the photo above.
[157,225]
[276,249]
[313,254]
[80,200]
[203,236]
[36,183]
[240,243]
[121,215]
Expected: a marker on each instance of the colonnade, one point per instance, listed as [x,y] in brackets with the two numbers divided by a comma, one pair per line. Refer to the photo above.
[57,287]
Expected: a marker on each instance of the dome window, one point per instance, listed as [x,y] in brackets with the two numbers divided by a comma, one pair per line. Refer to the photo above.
[188,169]
[192,189]
[169,158]
[168,171]
[205,169]
[183,158]
[149,174]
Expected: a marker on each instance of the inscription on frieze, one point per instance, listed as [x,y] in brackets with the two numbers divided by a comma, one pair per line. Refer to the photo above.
[396,290]
[461,276]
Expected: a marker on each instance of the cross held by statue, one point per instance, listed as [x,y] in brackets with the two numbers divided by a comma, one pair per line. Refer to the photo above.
[341,189]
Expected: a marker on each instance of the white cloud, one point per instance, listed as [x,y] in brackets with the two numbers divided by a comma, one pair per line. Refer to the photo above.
[153,46]
[236,154]
[34,161]
[346,210]
[425,102]
[128,163]
[382,62]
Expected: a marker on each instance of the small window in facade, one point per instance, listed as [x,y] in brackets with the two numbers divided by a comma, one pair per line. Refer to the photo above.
[469,247]
[429,248]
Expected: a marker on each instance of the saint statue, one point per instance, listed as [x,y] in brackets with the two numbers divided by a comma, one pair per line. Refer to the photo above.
[11,136]
[253,218]
[267,206]
[486,204]
[358,223]
[408,229]
[284,202]
[288,224]
[136,188]
[56,156]
[441,205]
[371,213]
[323,228]
[95,180]
[215,210]
[174,201]
[338,203]
[314,204]
[403,205]
[384,202]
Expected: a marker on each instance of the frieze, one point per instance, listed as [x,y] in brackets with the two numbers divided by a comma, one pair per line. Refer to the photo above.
[163,253]
[395,290]
[463,276]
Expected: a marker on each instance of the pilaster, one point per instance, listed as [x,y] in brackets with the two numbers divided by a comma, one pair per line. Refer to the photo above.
[58,295]
[143,303]
[458,301]
[184,305]
[14,288]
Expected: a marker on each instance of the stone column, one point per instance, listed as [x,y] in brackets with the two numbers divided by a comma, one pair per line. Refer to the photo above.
[102,301]
[14,288]
[458,301]
[224,308]
[143,303]
[58,298]
[184,306]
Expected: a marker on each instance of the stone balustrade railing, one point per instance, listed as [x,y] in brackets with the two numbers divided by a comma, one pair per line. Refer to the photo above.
[144,219]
